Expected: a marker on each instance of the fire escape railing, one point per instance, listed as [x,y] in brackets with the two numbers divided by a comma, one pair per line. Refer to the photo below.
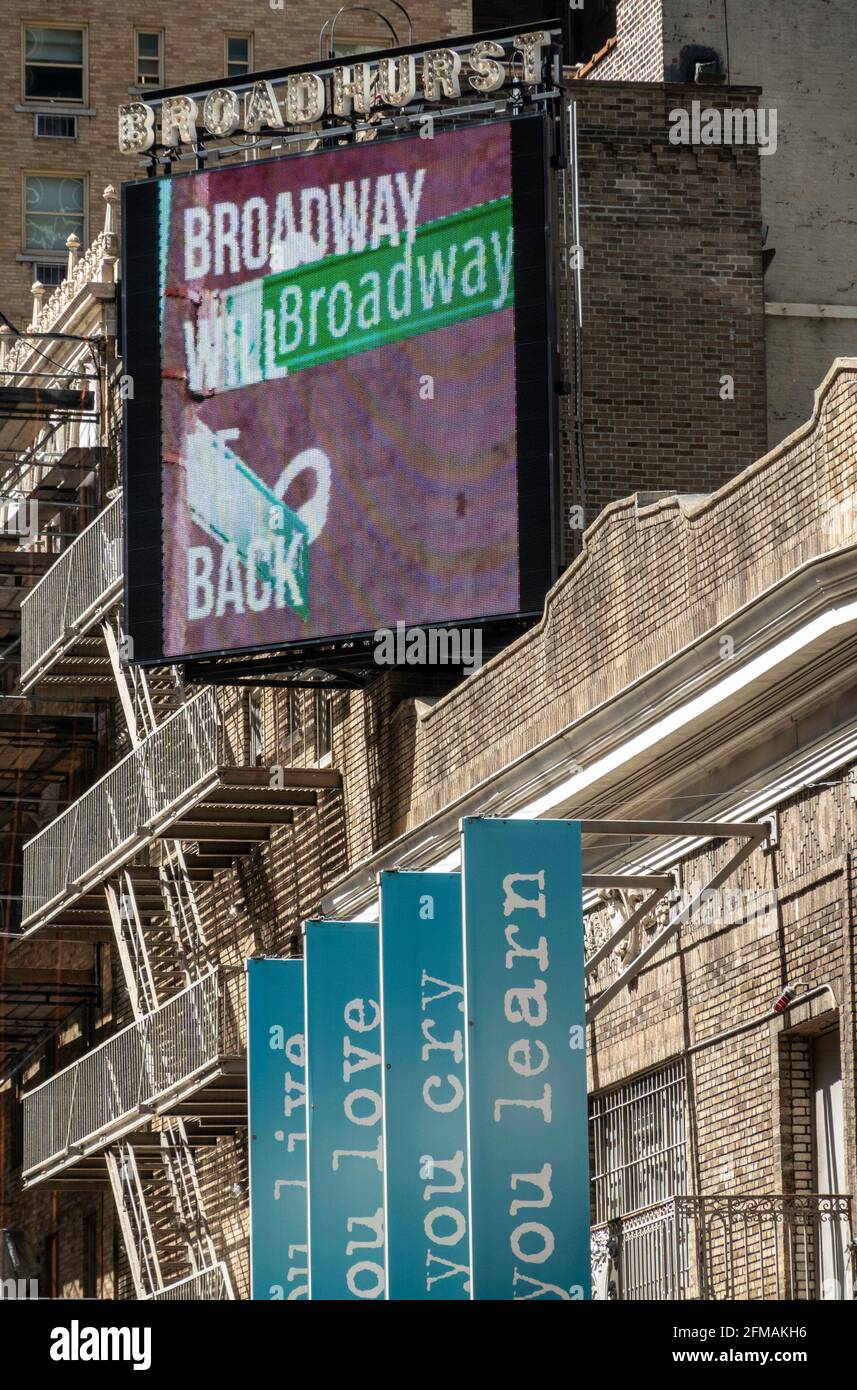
[76,591]
[105,827]
[208,1286]
[138,1071]
[728,1247]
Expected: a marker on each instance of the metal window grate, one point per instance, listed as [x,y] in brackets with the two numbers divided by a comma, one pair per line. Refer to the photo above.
[48,127]
[638,1146]
[49,273]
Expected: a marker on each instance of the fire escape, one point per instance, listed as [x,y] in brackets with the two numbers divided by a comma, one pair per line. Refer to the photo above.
[128,862]
[49,417]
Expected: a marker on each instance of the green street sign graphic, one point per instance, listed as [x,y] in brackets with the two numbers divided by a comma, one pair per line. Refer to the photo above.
[456,268]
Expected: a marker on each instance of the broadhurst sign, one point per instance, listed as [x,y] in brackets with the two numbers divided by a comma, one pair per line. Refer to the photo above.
[477,1134]
[305,97]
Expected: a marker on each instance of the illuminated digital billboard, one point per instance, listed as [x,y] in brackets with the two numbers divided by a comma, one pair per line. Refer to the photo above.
[342,392]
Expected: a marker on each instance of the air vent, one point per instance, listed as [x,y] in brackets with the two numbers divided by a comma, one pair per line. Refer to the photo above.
[55,127]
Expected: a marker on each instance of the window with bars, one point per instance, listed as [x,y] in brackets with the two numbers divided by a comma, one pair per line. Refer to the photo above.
[148,57]
[54,63]
[49,273]
[638,1144]
[49,127]
[239,54]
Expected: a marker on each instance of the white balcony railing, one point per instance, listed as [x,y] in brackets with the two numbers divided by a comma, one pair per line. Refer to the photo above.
[79,589]
[767,1247]
[207,1286]
[109,823]
[145,1069]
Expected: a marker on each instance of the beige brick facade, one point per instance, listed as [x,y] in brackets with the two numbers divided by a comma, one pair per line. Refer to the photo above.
[692,662]
[194,48]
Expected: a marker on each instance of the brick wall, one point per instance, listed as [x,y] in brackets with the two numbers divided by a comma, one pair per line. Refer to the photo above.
[795,1067]
[194,46]
[673,312]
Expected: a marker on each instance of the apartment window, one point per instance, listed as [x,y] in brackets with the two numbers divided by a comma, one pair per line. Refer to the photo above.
[149,55]
[53,209]
[638,1145]
[239,54]
[323,726]
[54,63]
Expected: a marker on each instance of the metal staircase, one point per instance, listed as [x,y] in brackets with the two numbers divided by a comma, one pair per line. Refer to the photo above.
[134,1220]
[162,948]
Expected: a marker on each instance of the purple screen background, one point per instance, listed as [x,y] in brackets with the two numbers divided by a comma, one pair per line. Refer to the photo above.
[422,524]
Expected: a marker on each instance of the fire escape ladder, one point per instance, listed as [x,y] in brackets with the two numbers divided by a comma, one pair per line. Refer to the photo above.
[188,1203]
[134,1220]
[131,944]
[185,918]
[147,718]
[112,640]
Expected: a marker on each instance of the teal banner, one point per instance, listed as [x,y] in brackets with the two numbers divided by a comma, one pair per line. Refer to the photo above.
[346,1186]
[277,1122]
[525,1043]
[425,1141]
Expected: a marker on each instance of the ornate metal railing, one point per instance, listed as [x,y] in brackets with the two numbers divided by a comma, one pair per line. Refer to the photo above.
[207,1286]
[106,826]
[726,1248]
[75,592]
[133,1073]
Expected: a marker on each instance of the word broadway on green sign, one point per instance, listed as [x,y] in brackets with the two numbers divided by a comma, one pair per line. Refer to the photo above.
[455,268]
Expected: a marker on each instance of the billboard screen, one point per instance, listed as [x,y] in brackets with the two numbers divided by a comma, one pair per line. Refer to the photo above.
[342,392]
